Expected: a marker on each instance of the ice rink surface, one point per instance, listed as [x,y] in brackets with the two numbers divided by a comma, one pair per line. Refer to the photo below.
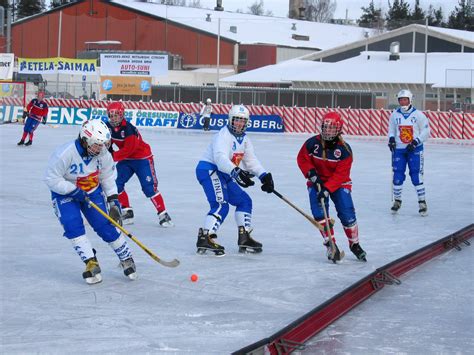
[46,307]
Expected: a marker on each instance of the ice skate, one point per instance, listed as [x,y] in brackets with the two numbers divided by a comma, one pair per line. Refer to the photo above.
[28,143]
[165,220]
[129,268]
[247,244]
[92,274]
[206,242]
[21,142]
[358,252]
[127,215]
[338,255]
[423,208]
[396,206]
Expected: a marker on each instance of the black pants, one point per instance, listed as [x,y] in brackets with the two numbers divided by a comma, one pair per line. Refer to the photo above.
[207,120]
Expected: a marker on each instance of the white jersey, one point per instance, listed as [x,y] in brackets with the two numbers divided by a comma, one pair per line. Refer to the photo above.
[206,111]
[227,151]
[67,170]
[408,126]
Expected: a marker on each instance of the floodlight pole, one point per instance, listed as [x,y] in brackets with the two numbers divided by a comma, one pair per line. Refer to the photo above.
[218,57]
[59,49]
[426,64]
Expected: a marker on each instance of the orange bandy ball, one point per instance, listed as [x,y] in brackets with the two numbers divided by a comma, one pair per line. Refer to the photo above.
[194,277]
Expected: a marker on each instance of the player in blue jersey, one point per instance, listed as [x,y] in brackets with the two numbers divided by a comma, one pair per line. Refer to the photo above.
[408,130]
[229,164]
[84,169]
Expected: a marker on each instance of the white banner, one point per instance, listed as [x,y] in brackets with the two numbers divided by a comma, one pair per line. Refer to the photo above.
[119,64]
[6,66]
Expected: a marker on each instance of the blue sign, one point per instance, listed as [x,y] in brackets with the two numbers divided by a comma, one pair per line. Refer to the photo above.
[258,123]
[107,85]
[144,86]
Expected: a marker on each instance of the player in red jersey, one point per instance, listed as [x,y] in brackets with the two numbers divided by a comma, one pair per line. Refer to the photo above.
[35,113]
[326,160]
[134,156]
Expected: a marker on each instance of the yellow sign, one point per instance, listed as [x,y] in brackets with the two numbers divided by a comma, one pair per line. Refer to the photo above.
[57,65]
[125,85]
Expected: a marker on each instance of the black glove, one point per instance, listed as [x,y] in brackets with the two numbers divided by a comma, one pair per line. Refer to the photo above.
[79,195]
[115,210]
[25,114]
[314,178]
[411,147]
[242,177]
[323,193]
[267,183]
[43,121]
[392,144]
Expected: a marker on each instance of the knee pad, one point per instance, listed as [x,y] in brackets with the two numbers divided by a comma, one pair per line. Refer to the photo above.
[73,228]
[398,177]
[219,210]
[106,231]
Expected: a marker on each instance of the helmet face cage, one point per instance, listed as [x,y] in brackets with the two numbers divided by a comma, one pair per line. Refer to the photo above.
[115,112]
[208,101]
[408,95]
[238,119]
[331,126]
[95,135]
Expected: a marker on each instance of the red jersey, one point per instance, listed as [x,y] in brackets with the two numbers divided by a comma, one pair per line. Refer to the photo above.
[37,109]
[334,169]
[129,141]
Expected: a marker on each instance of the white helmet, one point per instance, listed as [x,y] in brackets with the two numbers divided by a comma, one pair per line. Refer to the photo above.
[237,115]
[208,101]
[405,93]
[94,135]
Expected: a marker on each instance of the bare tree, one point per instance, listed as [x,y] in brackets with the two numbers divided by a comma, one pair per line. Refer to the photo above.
[320,10]
[257,8]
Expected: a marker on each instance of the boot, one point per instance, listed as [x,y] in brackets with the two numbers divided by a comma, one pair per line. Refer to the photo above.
[396,206]
[129,268]
[207,242]
[423,208]
[21,142]
[92,274]
[165,220]
[28,143]
[337,255]
[247,244]
[127,215]
[358,252]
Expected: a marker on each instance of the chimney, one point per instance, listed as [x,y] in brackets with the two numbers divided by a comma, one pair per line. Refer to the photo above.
[301,15]
[218,6]
[394,51]
[208,17]
[233,29]
[294,6]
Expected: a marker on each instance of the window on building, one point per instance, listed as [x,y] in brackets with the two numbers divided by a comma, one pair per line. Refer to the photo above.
[242,57]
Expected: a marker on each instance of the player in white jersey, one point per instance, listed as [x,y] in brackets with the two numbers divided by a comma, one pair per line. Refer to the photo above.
[80,170]
[205,113]
[228,162]
[408,129]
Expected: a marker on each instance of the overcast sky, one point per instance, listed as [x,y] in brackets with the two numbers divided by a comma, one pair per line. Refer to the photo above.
[280,7]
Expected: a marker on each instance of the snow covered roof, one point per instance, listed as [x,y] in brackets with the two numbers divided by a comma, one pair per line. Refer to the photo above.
[251,29]
[443,70]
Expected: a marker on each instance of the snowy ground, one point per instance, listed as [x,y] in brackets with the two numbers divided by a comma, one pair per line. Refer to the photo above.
[47,308]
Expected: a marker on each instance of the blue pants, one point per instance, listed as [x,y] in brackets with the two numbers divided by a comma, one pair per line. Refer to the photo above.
[30,125]
[415,161]
[69,211]
[145,171]
[221,190]
[342,202]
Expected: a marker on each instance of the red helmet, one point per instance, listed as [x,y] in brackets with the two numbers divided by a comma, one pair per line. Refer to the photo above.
[115,111]
[331,126]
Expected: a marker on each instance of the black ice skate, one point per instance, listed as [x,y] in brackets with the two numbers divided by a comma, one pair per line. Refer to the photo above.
[396,206]
[92,274]
[165,220]
[28,143]
[129,268]
[359,252]
[21,142]
[247,244]
[205,242]
[127,215]
[423,208]
[338,255]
